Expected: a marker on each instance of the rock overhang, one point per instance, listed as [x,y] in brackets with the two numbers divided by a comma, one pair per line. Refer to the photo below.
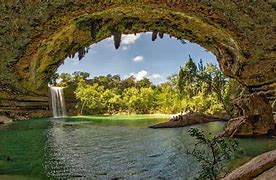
[37,37]
[44,57]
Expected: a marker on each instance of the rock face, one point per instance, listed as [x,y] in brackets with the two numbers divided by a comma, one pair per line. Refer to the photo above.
[254,117]
[37,37]
[261,167]
[187,120]
[267,175]
[19,106]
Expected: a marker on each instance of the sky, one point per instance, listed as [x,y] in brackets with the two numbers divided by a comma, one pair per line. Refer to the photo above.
[138,55]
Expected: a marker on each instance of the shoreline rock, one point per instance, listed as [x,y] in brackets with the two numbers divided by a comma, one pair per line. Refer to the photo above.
[188,119]
[5,120]
[254,117]
[256,168]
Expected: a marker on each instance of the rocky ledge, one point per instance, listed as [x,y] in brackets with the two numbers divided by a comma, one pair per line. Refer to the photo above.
[260,167]
[254,117]
[188,119]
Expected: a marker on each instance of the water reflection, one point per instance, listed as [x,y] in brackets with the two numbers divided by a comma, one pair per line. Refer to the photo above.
[126,150]
[77,148]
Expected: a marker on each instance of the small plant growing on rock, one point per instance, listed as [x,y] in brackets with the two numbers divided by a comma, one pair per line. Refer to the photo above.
[211,152]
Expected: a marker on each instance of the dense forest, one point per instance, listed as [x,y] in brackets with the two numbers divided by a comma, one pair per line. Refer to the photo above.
[197,87]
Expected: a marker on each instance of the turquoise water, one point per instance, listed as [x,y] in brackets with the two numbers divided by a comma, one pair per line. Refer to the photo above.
[104,147]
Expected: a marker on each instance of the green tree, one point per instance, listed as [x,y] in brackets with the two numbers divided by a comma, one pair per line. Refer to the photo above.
[145,82]
[66,79]
[173,80]
[187,78]
[131,99]
[218,84]
[111,101]
[168,100]
[90,96]
[80,75]
[127,83]
[147,100]
[54,78]
[206,88]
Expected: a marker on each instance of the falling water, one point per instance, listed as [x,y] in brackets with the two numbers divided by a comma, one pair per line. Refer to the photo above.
[58,102]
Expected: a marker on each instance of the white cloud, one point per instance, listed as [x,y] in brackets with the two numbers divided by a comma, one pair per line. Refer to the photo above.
[138,58]
[125,76]
[143,74]
[75,60]
[129,38]
[140,75]
[155,76]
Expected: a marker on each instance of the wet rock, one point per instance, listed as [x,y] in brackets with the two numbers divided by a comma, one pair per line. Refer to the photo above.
[255,167]
[187,120]
[239,126]
[254,117]
[4,120]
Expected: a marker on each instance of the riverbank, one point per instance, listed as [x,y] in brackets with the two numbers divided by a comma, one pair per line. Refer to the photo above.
[10,119]
[130,117]
[13,117]
[188,119]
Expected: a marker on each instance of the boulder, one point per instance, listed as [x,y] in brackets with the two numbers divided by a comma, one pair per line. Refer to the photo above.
[253,117]
[239,126]
[188,119]
[254,168]
[4,120]
[267,175]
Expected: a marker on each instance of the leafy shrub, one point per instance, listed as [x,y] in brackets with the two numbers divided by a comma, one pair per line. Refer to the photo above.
[211,153]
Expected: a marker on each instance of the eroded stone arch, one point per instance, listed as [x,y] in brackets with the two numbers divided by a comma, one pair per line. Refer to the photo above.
[36,36]
[80,32]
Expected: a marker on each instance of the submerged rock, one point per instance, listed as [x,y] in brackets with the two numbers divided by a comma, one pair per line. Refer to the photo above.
[187,120]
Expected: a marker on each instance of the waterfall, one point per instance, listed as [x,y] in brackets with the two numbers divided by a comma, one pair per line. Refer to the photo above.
[58,102]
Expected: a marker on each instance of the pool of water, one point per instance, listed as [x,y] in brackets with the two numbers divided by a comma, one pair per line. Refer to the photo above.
[104,148]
